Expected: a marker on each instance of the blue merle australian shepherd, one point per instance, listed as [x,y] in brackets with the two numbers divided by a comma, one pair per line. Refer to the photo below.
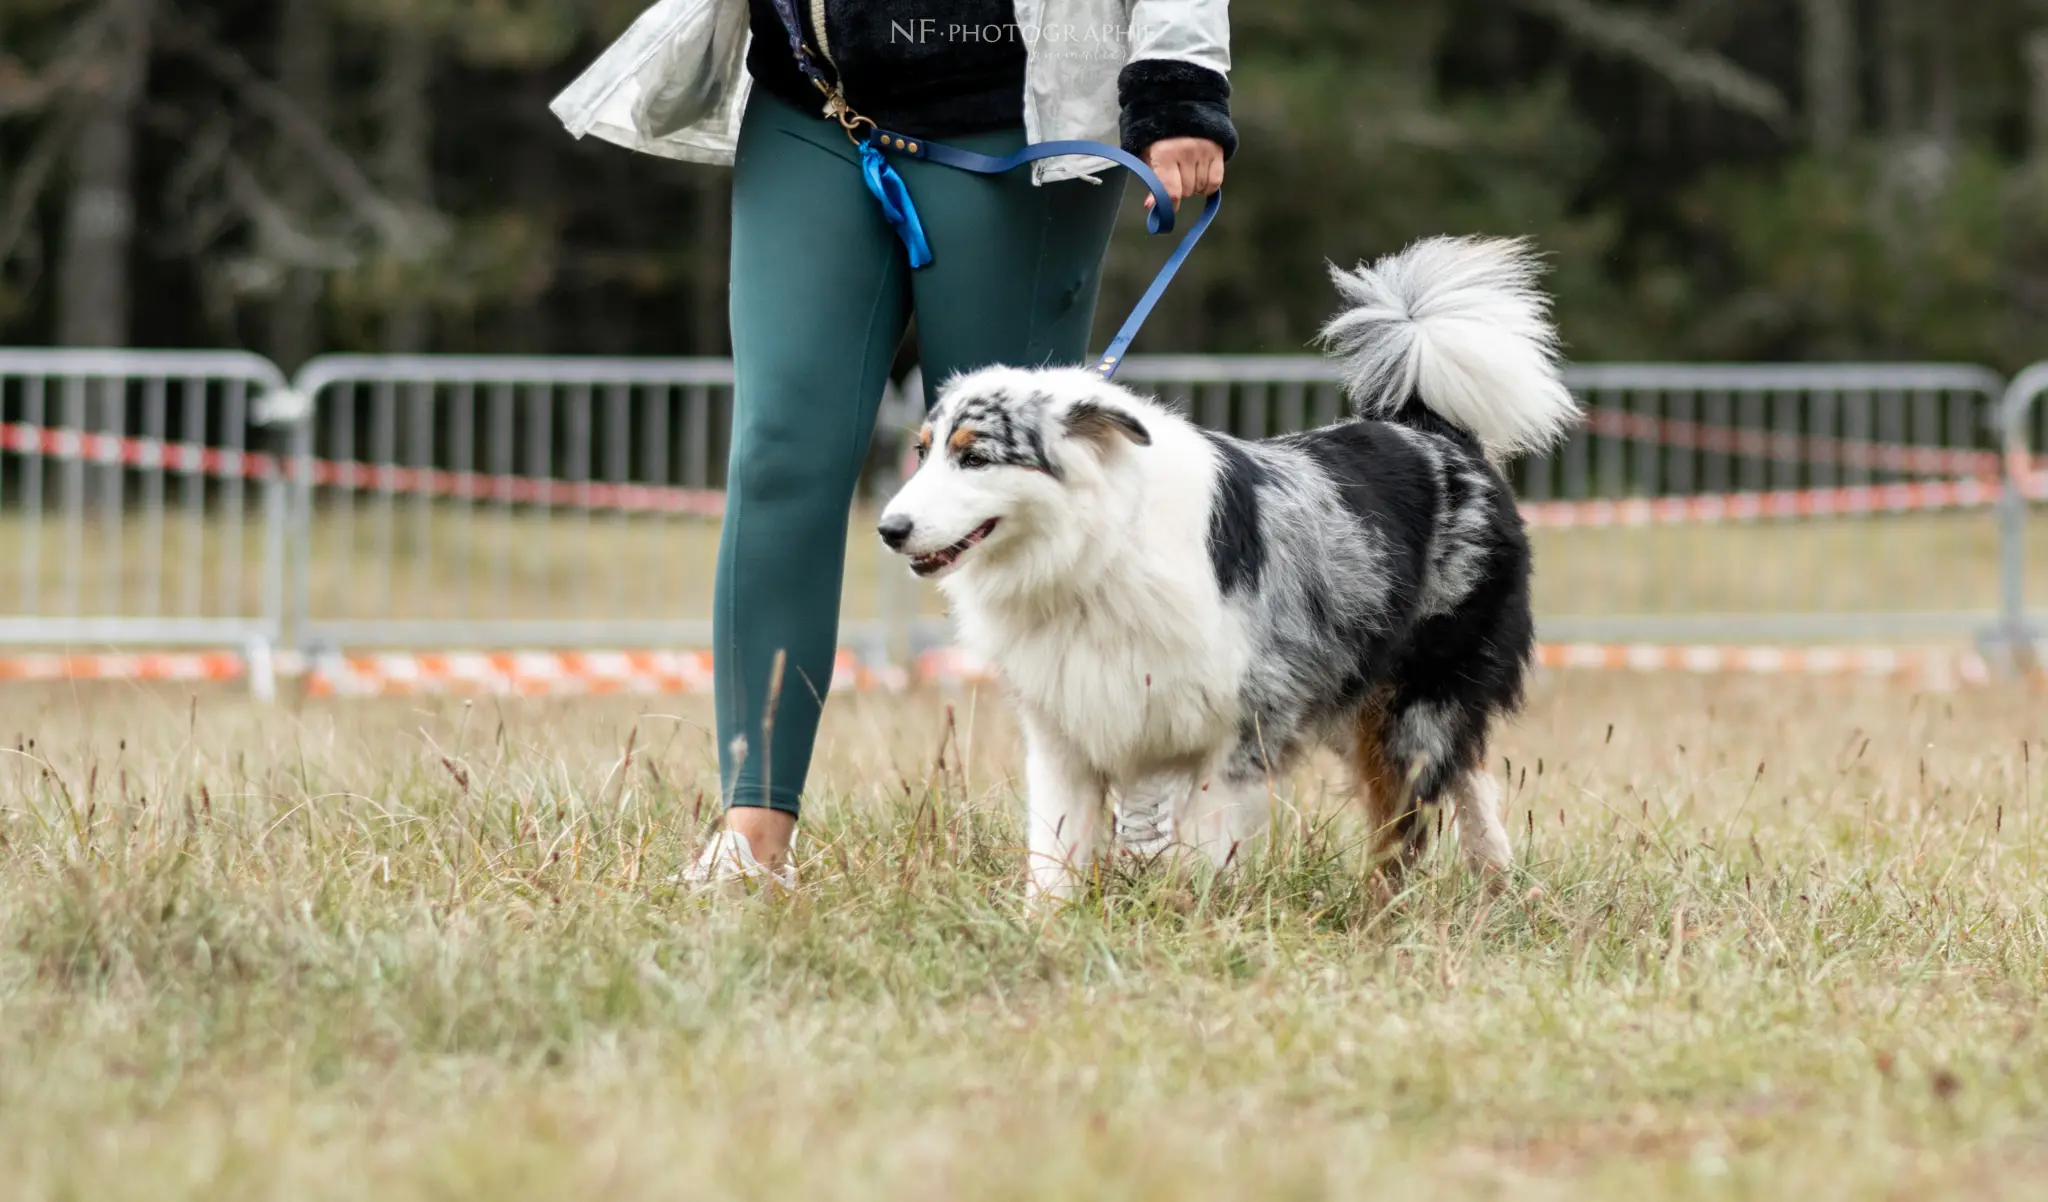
[1178,614]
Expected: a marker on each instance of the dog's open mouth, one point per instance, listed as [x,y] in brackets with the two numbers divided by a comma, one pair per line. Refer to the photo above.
[939,561]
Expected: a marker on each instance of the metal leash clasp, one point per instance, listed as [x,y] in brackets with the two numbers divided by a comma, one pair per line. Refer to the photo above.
[842,112]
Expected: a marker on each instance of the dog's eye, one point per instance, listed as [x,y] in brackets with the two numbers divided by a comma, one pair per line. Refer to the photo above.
[923,449]
[973,459]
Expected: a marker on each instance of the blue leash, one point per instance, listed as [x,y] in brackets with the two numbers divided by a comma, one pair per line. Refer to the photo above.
[898,210]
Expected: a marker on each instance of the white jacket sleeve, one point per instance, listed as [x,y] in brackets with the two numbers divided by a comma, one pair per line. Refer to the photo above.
[1188,31]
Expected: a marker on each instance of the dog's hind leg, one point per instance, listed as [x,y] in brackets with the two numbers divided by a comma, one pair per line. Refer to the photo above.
[1414,755]
[1065,799]
[1462,671]
[1380,788]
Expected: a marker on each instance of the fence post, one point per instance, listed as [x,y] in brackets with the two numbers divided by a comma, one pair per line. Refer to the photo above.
[298,458]
[2015,635]
[897,602]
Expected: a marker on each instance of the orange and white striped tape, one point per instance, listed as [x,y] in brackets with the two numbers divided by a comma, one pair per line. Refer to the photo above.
[106,447]
[149,666]
[1927,665]
[552,673]
[1932,496]
[1789,447]
[95,447]
[229,463]
[535,673]
[1932,667]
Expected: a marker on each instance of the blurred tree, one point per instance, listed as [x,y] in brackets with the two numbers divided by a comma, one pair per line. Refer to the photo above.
[2036,51]
[99,211]
[1831,92]
[305,68]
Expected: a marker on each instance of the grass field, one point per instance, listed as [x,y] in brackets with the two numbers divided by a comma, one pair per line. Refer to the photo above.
[1777,939]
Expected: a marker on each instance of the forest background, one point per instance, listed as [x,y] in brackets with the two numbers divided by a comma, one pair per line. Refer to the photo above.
[1711,179]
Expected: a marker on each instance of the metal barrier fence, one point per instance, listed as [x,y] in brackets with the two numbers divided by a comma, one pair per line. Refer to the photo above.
[2023,424]
[135,508]
[442,502]
[497,502]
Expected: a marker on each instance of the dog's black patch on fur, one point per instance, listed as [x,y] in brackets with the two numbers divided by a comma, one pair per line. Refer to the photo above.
[1237,550]
[1417,416]
[1034,445]
[1457,490]
[1387,485]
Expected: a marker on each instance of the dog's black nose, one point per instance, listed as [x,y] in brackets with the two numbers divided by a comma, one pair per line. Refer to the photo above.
[895,530]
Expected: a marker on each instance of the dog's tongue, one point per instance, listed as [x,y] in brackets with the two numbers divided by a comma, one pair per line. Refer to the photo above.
[925,565]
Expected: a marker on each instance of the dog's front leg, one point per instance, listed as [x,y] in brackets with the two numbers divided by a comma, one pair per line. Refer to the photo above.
[1065,805]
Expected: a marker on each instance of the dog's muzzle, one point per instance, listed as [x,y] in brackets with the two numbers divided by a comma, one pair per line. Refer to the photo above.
[940,560]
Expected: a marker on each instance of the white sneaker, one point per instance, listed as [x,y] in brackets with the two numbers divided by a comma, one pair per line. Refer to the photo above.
[729,859]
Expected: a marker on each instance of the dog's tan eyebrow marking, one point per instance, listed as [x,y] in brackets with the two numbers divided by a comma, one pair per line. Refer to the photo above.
[924,438]
[962,438]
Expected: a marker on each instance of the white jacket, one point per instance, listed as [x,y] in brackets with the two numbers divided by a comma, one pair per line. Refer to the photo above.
[675,84]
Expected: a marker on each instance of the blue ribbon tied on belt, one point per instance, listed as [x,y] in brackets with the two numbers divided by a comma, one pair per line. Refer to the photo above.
[894,198]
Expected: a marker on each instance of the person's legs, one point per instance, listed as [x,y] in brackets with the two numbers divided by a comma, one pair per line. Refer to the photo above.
[821,291]
[819,303]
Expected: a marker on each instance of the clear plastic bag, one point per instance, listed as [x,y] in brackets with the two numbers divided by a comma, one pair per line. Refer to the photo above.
[673,81]
[696,70]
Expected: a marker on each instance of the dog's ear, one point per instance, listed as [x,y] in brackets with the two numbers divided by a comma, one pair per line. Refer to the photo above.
[1098,423]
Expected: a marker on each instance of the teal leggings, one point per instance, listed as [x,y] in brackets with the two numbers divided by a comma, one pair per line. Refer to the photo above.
[821,295]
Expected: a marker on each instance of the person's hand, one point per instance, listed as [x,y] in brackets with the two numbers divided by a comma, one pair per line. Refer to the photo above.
[1187,166]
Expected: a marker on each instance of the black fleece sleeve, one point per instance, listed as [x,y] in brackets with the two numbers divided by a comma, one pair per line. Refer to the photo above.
[1166,98]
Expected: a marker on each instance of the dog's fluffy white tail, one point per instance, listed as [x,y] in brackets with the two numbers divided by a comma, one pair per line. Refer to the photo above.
[1461,323]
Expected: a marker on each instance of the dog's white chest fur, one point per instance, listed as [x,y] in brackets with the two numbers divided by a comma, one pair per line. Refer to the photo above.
[1127,681]
[1119,644]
